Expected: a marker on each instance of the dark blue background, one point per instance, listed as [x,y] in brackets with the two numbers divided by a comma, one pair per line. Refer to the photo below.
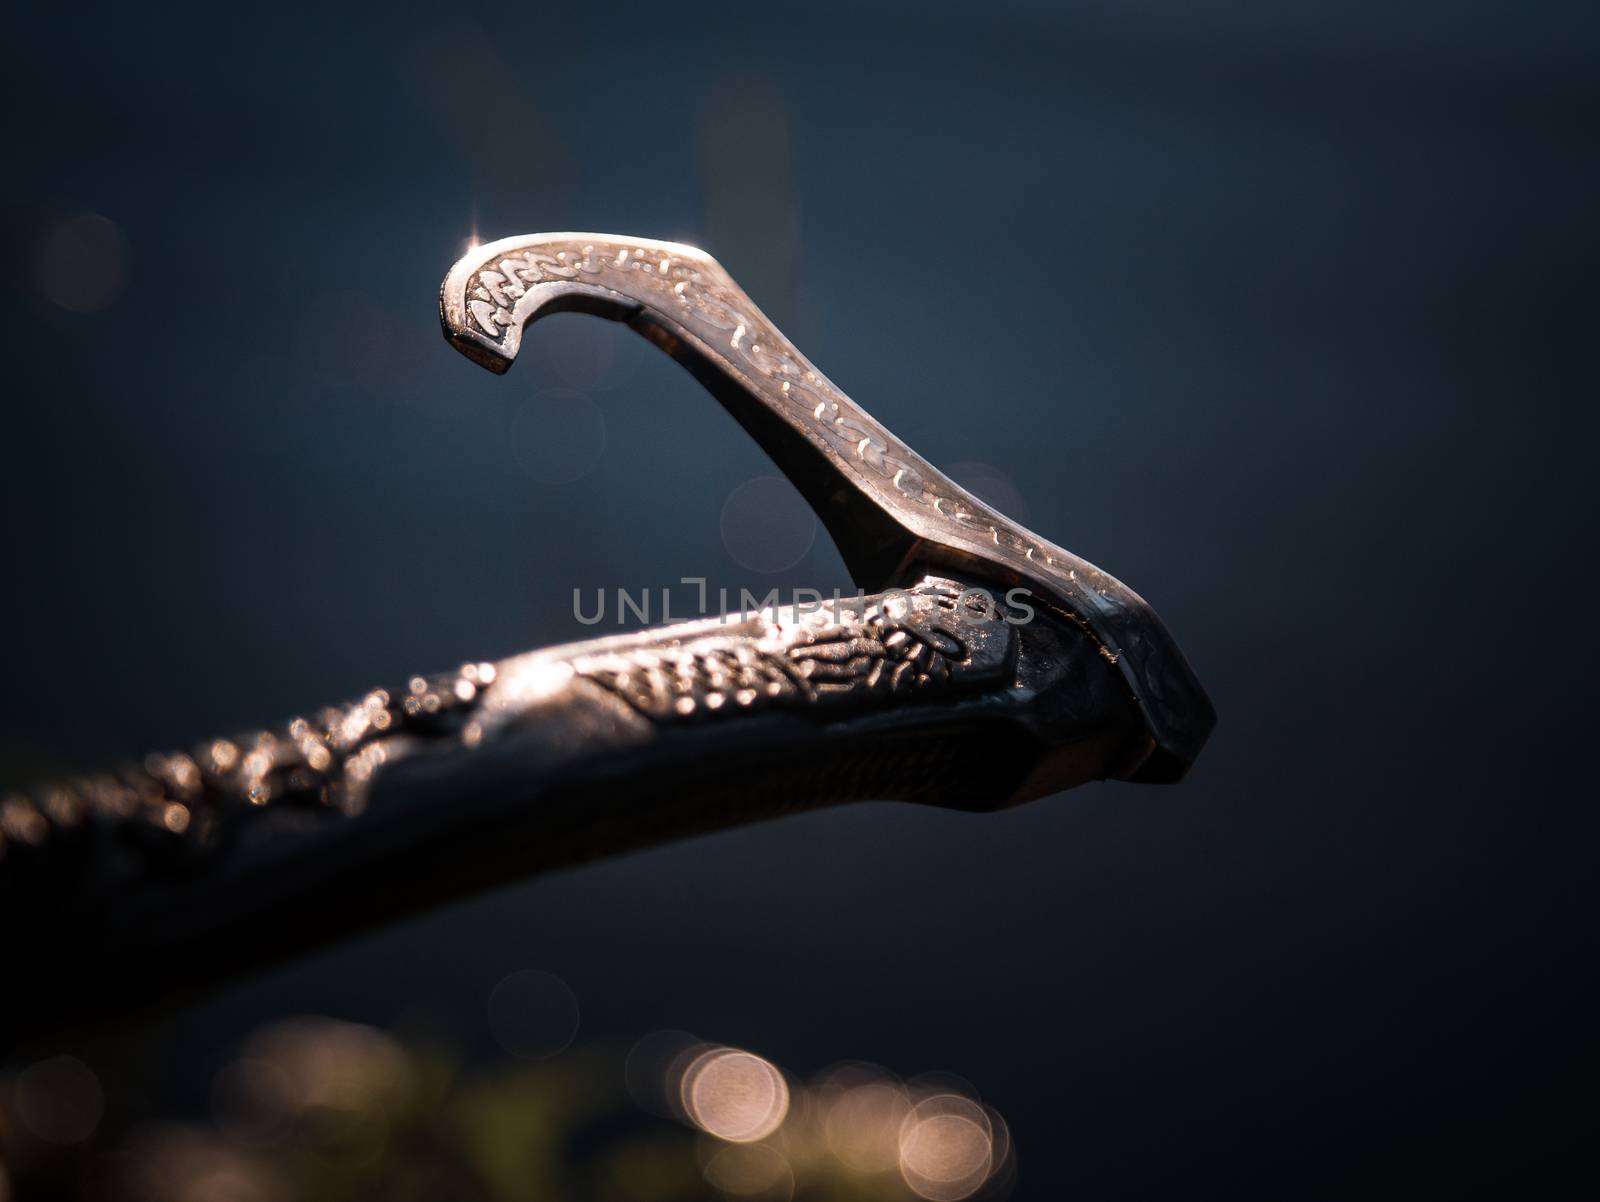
[1284,314]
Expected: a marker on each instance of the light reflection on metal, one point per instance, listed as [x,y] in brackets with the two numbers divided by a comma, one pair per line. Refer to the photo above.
[525,680]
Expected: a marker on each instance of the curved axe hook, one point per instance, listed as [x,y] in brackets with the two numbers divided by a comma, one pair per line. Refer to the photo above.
[890,512]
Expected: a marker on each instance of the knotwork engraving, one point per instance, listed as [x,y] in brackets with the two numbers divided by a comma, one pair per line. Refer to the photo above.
[847,653]
[857,652]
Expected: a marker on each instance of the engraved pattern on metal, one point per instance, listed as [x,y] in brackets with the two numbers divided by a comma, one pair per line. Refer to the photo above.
[848,654]
[851,654]
[677,294]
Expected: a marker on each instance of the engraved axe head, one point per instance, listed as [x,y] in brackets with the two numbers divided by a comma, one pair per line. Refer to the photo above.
[893,516]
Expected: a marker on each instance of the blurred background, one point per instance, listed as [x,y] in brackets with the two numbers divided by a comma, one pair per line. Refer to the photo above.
[1284,314]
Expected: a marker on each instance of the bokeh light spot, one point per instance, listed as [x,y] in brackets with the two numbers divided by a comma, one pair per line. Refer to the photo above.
[533,1014]
[756,1171]
[310,1065]
[82,263]
[653,1071]
[991,486]
[863,1124]
[558,436]
[734,1095]
[946,1148]
[59,1100]
[172,1163]
[582,353]
[767,525]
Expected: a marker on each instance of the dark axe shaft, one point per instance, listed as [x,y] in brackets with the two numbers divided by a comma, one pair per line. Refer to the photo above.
[129,889]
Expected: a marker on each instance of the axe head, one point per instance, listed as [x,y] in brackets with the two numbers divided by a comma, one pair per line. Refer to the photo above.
[892,514]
